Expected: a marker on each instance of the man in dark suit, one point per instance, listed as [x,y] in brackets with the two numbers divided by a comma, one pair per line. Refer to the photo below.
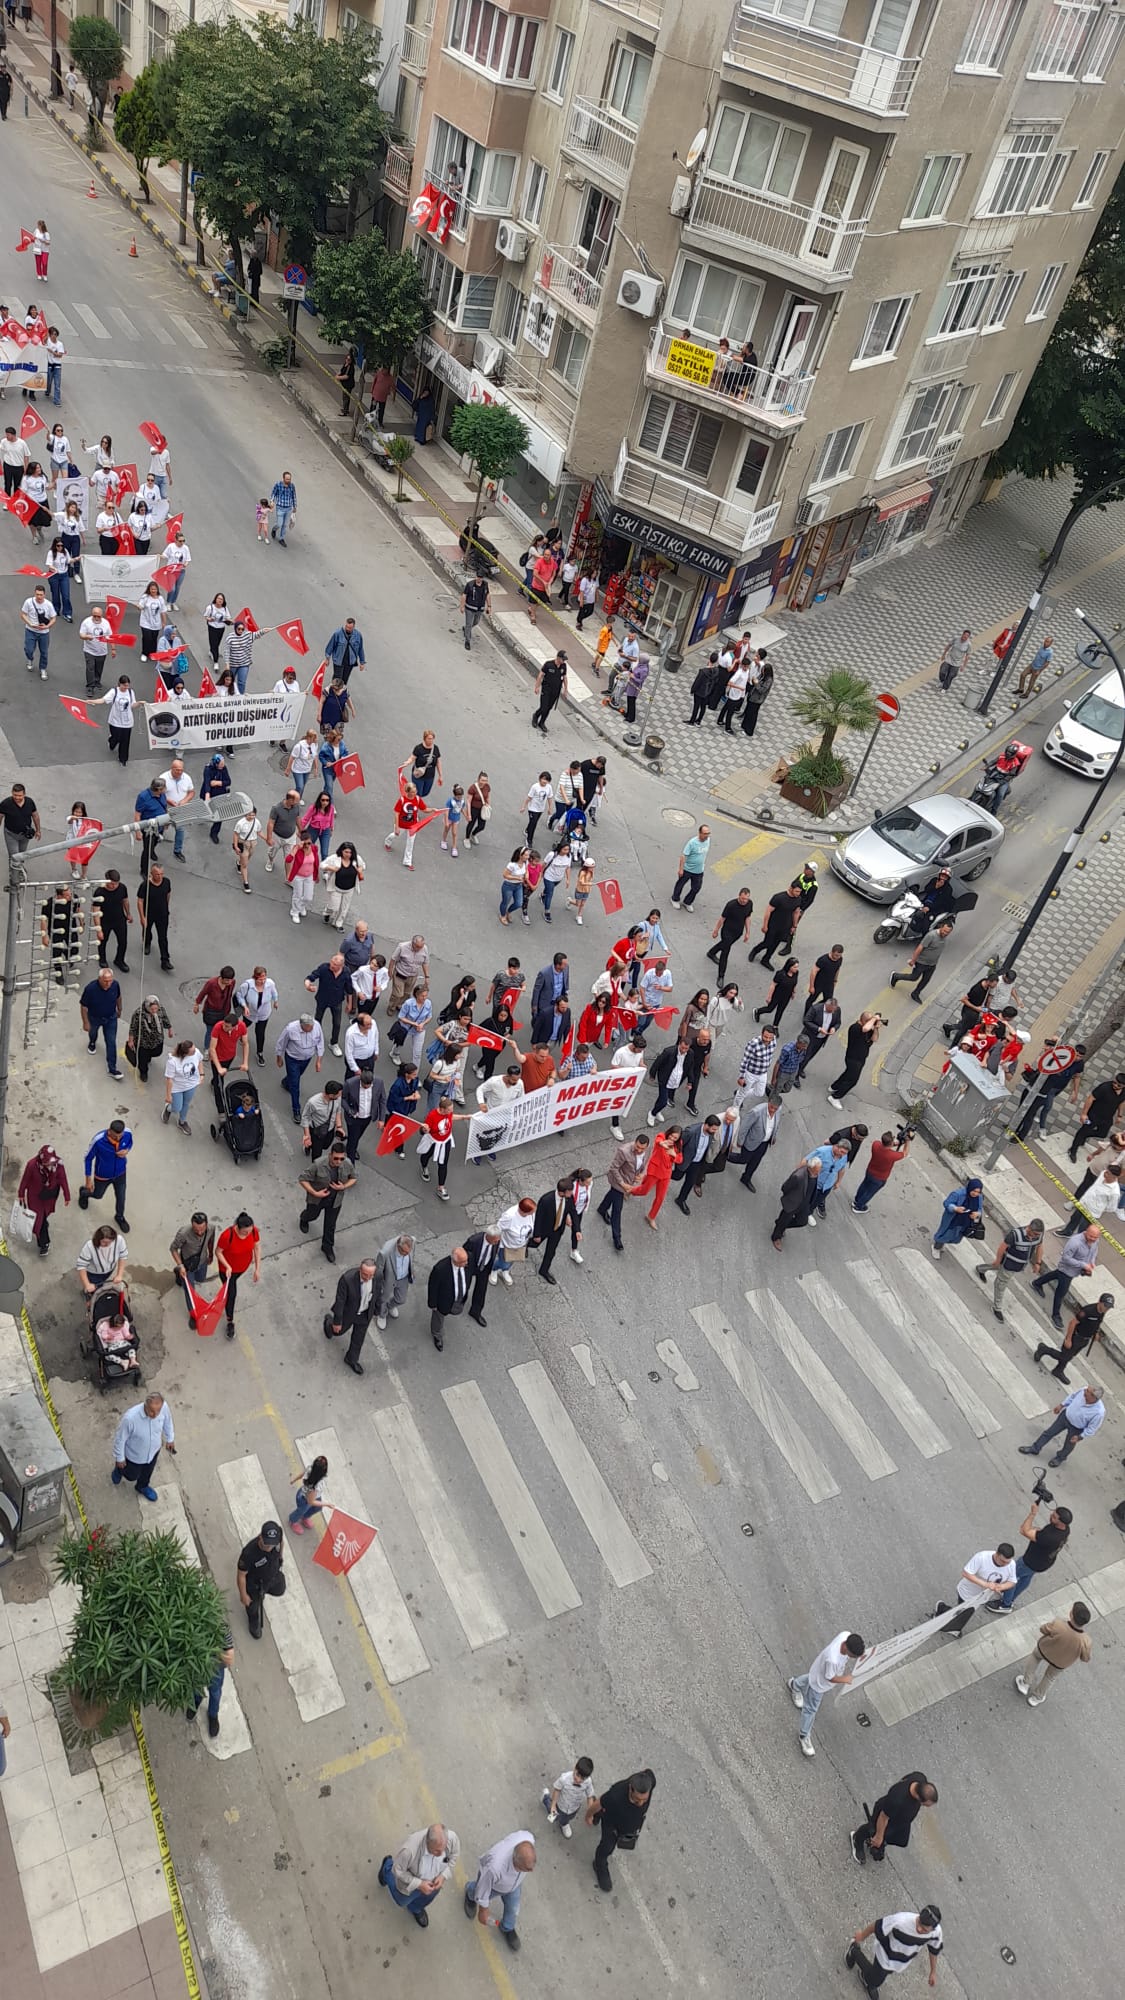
[797,1196]
[554,1215]
[447,1292]
[481,1251]
[552,984]
[351,1310]
[364,1100]
[699,1148]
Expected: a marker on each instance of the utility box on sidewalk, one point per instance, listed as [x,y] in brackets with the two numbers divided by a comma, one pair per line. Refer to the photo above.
[965,1099]
[33,1466]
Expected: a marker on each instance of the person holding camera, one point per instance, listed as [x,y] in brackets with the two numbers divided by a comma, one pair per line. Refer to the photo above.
[861,1039]
[1043,1545]
[884,1157]
[1016,1249]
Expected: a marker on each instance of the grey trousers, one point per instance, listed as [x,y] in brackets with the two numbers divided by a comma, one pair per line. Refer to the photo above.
[391,1292]
[1003,1280]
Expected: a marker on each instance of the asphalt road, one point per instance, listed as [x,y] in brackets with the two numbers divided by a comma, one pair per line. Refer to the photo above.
[825,1452]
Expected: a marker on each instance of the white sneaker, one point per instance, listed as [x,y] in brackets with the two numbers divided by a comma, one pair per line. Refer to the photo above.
[445,846]
[507,1277]
[795,1695]
[578,921]
[1036,1700]
[568,1833]
[390,841]
[576,1257]
[293,917]
[1022,1685]
[336,1049]
[834,1101]
[935,1253]
[650,1120]
[394,1312]
[808,1748]
[494,1277]
[617,1132]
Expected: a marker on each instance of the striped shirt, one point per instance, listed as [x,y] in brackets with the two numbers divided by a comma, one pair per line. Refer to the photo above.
[898,1940]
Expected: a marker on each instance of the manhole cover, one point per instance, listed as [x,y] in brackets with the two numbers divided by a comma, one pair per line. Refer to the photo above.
[676,816]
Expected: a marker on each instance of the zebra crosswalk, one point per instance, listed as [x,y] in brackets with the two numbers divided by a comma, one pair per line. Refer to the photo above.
[87,334]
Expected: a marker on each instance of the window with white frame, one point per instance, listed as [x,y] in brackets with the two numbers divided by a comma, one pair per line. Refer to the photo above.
[571,349]
[1024,171]
[963,301]
[708,299]
[123,21]
[886,324]
[751,472]
[990,35]
[1078,38]
[501,43]
[757,151]
[1048,286]
[159,26]
[827,15]
[628,81]
[1058,166]
[1002,396]
[558,72]
[534,194]
[931,413]
[464,299]
[512,313]
[934,187]
[1001,300]
[1090,181]
[838,455]
[679,435]
[956,410]
[481,182]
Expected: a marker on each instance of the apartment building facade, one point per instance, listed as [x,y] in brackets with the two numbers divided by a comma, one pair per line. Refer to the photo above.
[765,278]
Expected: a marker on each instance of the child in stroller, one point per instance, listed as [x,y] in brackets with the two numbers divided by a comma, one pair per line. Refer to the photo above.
[241,1124]
[114,1343]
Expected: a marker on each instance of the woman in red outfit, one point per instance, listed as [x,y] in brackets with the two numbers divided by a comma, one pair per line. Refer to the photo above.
[597,1022]
[664,1156]
[44,1179]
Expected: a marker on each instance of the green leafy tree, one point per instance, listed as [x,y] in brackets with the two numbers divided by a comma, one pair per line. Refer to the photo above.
[837,700]
[492,436]
[138,126]
[400,451]
[98,54]
[372,297]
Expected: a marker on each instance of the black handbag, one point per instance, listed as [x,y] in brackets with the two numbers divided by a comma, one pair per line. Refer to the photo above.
[397,1034]
[975,1231]
[627,1841]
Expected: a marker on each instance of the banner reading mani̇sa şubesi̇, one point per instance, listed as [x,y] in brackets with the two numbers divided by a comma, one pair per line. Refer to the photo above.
[559,1107]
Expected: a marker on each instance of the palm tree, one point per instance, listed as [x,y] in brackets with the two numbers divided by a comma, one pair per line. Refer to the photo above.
[838,700]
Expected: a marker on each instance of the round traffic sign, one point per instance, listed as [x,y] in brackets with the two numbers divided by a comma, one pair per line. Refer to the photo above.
[295,274]
[1053,1060]
[886,707]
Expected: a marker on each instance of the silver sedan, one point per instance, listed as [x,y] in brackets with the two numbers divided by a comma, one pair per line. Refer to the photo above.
[904,848]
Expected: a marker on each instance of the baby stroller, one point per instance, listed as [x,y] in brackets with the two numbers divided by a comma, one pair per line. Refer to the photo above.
[241,1123]
[114,1343]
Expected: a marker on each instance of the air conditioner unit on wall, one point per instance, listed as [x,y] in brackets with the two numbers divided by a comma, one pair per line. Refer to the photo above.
[812,509]
[639,293]
[681,195]
[488,356]
[511,242]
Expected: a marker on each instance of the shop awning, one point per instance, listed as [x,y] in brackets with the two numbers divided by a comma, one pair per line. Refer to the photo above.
[902,498]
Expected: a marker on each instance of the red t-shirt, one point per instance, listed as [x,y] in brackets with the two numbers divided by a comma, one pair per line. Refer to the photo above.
[237,1251]
[439,1124]
[882,1160]
[225,1041]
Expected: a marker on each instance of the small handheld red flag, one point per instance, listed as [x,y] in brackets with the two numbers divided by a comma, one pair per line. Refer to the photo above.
[77,709]
[567,1048]
[26,240]
[293,633]
[124,639]
[166,653]
[174,524]
[23,507]
[161,693]
[317,688]
[153,435]
[395,1133]
[206,685]
[84,853]
[627,1018]
[126,546]
[127,481]
[344,1542]
[486,1038]
[246,617]
[115,609]
[30,422]
[510,998]
[610,893]
[348,773]
[664,1017]
[29,569]
[166,575]
[38,332]
[206,1312]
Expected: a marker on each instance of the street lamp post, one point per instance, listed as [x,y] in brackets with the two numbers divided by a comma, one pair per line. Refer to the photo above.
[1008,657]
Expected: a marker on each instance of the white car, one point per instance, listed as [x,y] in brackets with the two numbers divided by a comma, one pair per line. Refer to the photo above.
[1087,736]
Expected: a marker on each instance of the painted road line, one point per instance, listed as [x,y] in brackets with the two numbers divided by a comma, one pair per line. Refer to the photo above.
[977,1340]
[447,1545]
[290,1619]
[170,1517]
[1020,1317]
[57,317]
[188,333]
[382,1606]
[520,1517]
[789,1438]
[621,1553]
[997,1643]
[96,326]
[151,324]
[897,1314]
[124,323]
[822,1386]
[899,1398]
[744,857]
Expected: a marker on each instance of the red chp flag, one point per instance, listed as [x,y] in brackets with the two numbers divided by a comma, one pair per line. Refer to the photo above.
[153,435]
[30,422]
[344,1542]
[348,774]
[77,709]
[317,690]
[610,893]
[293,633]
[207,1312]
[395,1133]
[26,240]
[206,685]
[246,617]
[486,1038]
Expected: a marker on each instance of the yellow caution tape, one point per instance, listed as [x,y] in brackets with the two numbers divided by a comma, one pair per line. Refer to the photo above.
[1064,1190]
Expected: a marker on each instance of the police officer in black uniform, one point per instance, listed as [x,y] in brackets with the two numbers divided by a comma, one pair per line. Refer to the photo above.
[260,1574]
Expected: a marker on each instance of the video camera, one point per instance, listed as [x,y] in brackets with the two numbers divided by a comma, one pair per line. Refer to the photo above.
[1040,1490]
[904,1133]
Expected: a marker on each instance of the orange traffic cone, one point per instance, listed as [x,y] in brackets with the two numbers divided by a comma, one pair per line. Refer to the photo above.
[91,191]
[133,244]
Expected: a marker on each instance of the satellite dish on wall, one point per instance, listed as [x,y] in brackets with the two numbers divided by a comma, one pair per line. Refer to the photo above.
[695,150]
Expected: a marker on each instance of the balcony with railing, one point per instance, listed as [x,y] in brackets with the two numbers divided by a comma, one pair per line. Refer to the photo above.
[649,12]
[563,275]
[818,64]
[538,392]
[945,356]
[774,401]
[796,239]
[638,483]
[397,169]
[603,140]
[415,52]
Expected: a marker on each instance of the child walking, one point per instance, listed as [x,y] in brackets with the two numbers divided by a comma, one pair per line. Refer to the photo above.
[262,513]
[408,812]
[571,1791]
[310,1498]
[605,641]
[582,888]
[454,813]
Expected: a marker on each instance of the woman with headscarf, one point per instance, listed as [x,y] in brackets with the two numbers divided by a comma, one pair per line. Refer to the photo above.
[961,1211]
[144,1043]
[44,1179]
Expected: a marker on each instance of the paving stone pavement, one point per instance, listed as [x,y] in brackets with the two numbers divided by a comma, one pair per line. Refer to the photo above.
[894,627]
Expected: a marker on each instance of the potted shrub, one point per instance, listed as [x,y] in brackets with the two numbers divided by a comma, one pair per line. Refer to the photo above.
[818,777]
[147,1632]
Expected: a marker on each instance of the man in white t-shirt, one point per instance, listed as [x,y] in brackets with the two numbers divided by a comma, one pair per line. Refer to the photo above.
[831,1668]
[178,790]
[38,614]
[986,1575]
[571,1792]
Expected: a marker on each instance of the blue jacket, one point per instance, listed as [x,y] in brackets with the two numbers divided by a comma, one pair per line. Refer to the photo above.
[215,781]
[336,650]
[403,1098]
[149,804]
[106,1162]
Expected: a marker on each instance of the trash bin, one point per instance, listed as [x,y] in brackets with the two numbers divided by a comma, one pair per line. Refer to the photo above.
[33,1466]
[242,305]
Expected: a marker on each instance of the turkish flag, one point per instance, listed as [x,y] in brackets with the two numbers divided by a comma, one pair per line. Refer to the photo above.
[344,1542]
[664,1017]
[206,1312]
[23,507]
[627,1018]
[293,633]
[115,609]
[86,850]
[422,206]
[207,685]
[126,546]
[127,478]
[77,709]
[166,575]
[161,659]
[30,422]
[317,689]
[26,240]
[486,1038]
[123,638]
[162,693]
[395,1133]
[510,998]
[567,1048]
[38,332]
[29,569]
[246,617]
[174,524]
[610,893]
[441,217]
[153,435]
[348,773]
[17,333]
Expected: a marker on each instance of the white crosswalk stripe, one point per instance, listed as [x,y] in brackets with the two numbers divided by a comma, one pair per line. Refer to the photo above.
[1033,1332]
[78,321]
[504,1483]
[968,1330]
[868,1355]
[170,1517]
[822,1386]
[382,1606]
[149,324]
[87,314]
[289,1619]
[608,1529]
[125,322]
[898,1315]
[187,332]
[803,1461]
[447,1544]
[57,317]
